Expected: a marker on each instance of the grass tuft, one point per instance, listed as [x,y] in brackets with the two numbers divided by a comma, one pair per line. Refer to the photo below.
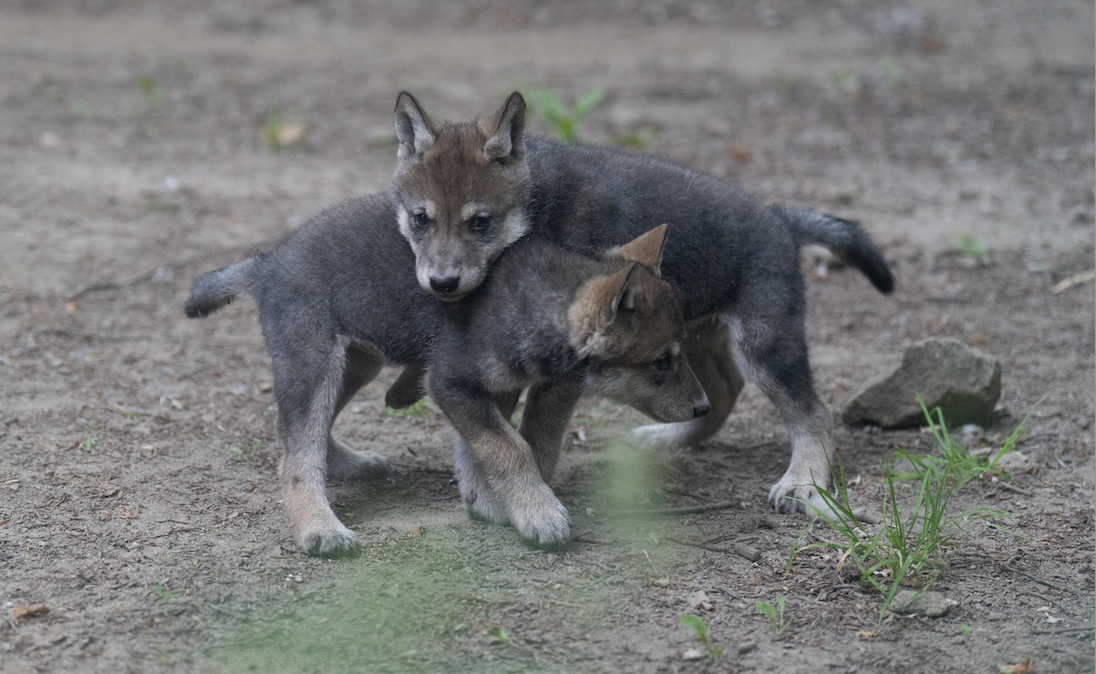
[912,537]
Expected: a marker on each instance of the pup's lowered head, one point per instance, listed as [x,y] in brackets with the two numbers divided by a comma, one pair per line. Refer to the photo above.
[460,190]
[629,324]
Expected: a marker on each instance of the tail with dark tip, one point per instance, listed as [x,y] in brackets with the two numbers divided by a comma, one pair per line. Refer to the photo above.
[217,288]
[845,238]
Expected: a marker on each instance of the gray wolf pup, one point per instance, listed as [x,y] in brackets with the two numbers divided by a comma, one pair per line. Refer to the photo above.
[466,191]
[338,299]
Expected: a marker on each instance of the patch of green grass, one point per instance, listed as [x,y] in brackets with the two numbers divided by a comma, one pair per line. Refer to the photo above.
[154,93]
[565,120]
[435,602]
[970,246]
[911,537]
[701,630]
[775,614]
[421,408]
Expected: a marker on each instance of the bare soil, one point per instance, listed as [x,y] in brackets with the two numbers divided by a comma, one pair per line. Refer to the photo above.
[138,496]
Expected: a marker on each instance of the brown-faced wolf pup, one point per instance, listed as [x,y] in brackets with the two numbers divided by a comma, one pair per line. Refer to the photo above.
[338,299]
[466,191]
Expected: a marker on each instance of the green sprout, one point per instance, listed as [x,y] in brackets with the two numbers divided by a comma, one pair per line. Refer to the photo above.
[701,630]
[564,120]
[775,614]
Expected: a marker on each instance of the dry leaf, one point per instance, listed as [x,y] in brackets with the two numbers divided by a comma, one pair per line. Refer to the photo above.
[740,154]
[700,599]
[27,612]
[1026,666]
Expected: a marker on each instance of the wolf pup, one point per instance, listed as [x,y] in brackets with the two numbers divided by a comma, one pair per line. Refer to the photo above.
[338,299]
[556,322]
[466,191]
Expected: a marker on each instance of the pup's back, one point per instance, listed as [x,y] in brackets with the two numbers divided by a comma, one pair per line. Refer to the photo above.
[346,271]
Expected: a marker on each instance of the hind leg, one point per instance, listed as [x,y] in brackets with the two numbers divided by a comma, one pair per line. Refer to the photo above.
[308,380]
[774,349]
[548,410]
[711,360]
[408,387]
[363,362]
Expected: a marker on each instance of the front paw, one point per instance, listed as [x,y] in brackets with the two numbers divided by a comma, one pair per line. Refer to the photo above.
[539,516]
[327,539]
[793,494]
[485,506]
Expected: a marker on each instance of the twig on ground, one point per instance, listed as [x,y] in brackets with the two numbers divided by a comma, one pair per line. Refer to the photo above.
[1065,630]
[1053,586]
[1006,485]
[1075,280]
[688,510]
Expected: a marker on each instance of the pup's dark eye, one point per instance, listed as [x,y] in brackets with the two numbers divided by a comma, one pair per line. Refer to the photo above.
[664,363]
[420,219]
[481,222]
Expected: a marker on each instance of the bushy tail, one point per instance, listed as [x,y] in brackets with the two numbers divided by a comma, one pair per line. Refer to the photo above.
[217,288]
[844,237]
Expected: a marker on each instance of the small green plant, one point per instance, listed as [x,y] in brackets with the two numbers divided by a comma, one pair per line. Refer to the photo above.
[420,409]
[966,631]
[640,139]
[564,120]
[247,454]
[272,132]
[891,72]
[775,614]
[499,634]
[910,538]
[701,630]
[168,598]
[280,135]
[154,93]
[970,246]
[85,447]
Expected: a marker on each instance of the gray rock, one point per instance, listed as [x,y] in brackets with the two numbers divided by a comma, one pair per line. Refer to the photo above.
[927,604]
[963,382]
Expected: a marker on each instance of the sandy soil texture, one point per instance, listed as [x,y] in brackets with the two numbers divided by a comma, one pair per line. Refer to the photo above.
[138,498]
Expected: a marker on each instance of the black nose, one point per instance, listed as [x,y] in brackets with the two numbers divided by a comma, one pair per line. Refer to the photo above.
[699,410]
[444,285]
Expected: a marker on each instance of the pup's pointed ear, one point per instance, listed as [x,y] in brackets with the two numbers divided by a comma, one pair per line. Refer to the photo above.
[414,130]
[506,131]
[598,304]
[645,249]
[628,295]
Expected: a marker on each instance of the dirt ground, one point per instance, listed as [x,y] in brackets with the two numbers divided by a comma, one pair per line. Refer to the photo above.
[138,496]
